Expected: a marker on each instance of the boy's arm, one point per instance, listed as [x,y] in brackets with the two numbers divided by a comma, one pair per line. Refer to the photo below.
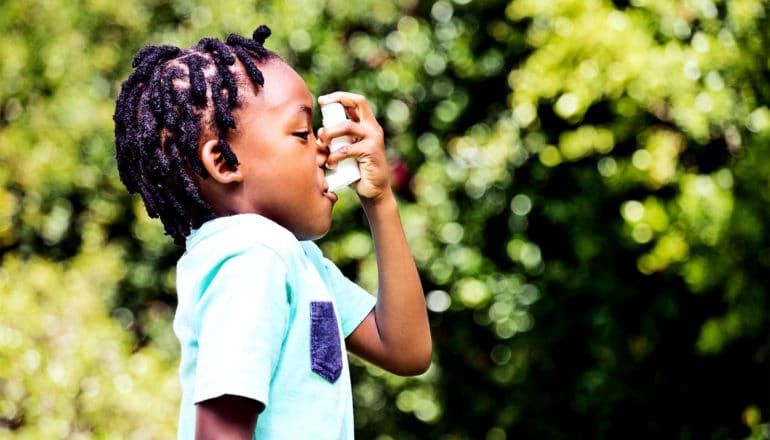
[227,417]
[396,334]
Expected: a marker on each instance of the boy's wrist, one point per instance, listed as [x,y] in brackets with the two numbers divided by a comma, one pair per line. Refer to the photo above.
[384,200]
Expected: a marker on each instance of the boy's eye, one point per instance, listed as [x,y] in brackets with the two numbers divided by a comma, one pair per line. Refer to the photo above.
[302,134]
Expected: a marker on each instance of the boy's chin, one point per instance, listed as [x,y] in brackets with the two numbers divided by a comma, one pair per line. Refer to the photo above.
[315,234]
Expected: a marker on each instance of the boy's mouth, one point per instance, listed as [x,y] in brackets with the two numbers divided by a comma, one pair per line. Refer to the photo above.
[330,195]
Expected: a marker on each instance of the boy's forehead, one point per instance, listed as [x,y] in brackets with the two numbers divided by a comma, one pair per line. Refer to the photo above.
[283,87]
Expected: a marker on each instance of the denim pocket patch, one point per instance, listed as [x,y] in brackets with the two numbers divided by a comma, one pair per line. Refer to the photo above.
[325,349]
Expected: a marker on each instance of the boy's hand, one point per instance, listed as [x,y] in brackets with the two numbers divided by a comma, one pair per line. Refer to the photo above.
[396,334]
[368,147]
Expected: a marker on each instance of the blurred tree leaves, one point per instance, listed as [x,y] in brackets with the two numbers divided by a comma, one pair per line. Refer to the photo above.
[68,367]
[585,186]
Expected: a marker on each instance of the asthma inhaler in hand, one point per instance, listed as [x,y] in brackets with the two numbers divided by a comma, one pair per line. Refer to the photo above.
[346,171]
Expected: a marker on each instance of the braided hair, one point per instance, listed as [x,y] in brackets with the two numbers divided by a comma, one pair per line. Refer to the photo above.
[172,98]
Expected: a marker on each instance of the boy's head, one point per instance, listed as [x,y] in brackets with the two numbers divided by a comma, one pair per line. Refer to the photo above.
[191,126]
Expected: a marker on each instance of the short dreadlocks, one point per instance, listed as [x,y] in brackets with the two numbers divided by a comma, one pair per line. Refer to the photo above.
[171,98]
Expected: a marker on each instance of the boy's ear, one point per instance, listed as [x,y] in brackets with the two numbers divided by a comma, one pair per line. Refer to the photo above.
[211,156]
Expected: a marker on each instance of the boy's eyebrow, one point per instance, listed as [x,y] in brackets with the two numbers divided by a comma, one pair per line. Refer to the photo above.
[305,109]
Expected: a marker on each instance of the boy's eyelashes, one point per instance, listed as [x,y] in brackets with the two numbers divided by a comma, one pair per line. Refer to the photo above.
[302,134]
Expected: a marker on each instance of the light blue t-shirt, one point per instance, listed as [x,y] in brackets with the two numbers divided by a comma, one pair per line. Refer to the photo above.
[264,316]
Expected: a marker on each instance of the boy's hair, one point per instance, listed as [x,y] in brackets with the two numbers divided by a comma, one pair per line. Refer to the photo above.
[172,98]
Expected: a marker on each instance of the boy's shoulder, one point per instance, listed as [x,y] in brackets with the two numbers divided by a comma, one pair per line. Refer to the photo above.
[237,233]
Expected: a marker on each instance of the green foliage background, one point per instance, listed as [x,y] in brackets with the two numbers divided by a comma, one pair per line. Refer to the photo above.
[585,185]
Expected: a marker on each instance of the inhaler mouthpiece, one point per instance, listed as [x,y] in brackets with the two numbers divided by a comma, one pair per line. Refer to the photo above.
[346,171]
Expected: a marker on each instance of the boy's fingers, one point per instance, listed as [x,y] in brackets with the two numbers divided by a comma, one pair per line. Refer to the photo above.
[358,148]
[356,131]
[342,97]
[341,153]
[346,128]
[356,105]
[356,151]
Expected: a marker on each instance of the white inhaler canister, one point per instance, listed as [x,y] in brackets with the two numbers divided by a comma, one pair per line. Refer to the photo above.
[346,171]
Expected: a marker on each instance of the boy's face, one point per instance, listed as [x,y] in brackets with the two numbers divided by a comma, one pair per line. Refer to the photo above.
[281,164]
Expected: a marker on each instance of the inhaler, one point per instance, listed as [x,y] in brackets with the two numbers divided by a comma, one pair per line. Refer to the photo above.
[346,171]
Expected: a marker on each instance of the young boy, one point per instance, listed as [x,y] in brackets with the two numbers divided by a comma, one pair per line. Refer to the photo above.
[218,141]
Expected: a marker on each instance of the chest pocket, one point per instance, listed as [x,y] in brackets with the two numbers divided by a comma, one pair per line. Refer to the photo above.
[325,349]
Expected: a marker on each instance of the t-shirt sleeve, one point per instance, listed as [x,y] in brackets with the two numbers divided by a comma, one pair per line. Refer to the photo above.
[242,317]
[352,302]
